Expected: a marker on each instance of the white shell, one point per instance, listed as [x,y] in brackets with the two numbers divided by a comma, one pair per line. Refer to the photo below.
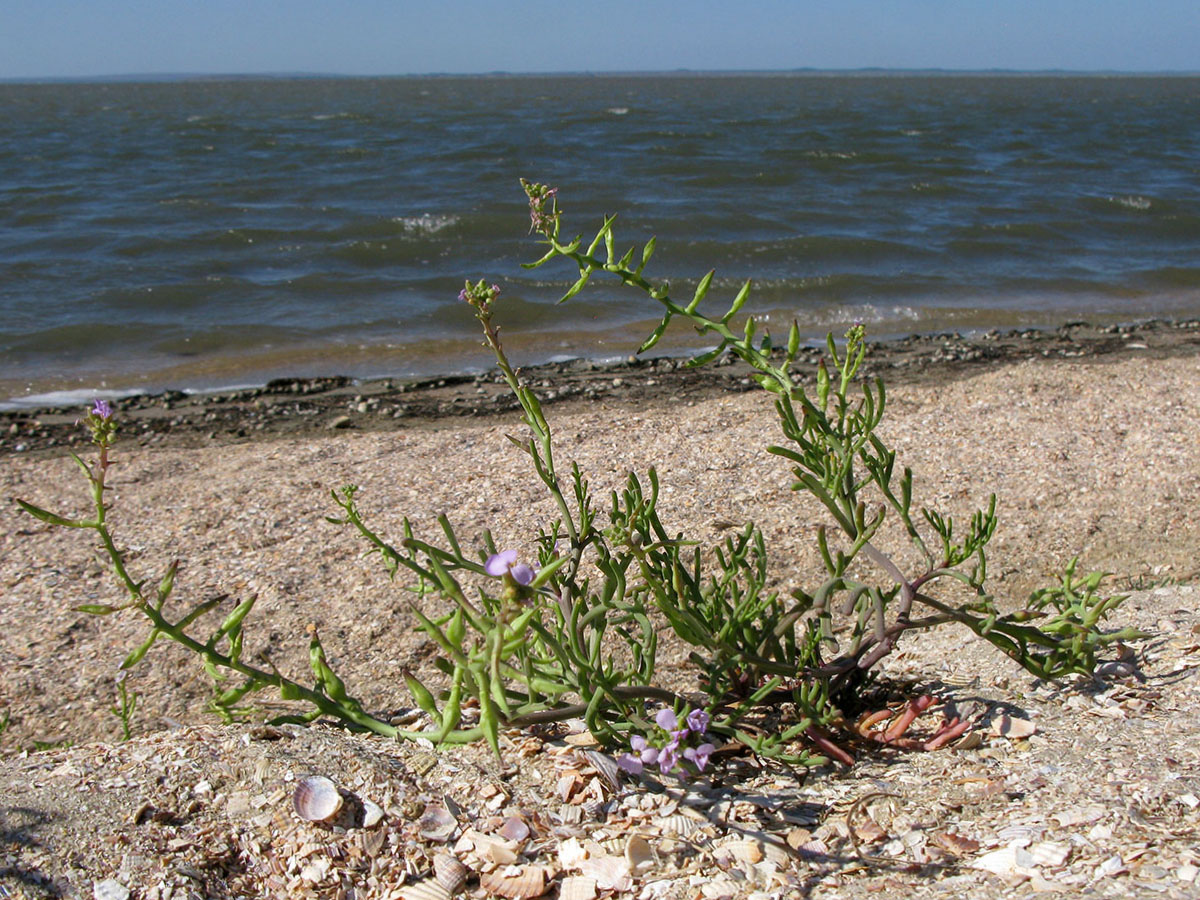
[372,814]
[316,799]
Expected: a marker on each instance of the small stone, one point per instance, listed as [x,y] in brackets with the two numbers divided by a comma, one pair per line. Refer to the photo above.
[341,422]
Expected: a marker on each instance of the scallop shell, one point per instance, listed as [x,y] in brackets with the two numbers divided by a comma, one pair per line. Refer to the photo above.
[316,799]
[680,825]
[436,824]
[515,882]
[450,872]
[577,887]
[428,889]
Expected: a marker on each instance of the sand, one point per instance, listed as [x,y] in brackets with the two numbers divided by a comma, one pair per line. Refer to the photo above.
[1094,456]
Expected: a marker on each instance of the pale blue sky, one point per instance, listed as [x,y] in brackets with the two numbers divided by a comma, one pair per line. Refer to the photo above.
[85,38]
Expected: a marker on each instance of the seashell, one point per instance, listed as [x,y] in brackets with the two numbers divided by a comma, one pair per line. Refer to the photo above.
[968,741]
[436,824]
[606,766]
[514,829]
[571,853]
[428,889]
[568,784]
[744,850]
[593,809]
[577,887]
[316,799]
[639,854]
[610,872]
[515,882]
[570,815]
[492,849]
[1048,853]
[1012,728]
[680,825]
[450,872]
[372,814]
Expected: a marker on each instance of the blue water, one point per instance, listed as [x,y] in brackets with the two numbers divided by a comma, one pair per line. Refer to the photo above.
[203,233]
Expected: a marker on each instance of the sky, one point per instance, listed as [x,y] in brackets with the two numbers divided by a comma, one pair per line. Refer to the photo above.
[96,38]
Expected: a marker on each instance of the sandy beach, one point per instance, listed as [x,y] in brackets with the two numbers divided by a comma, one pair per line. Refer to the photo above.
[1092,453]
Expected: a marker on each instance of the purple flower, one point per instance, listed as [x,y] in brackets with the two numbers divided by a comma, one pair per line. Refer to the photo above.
[101,410]
[505,563]
[668,758]
[697,721]
[646,753]
[699,755]
[499,563]
[629,763]
[666,720]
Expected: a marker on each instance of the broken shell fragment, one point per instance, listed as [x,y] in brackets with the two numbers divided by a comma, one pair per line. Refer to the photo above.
[316,799]
[514,829]
[372,814]
[639,854]
[428,889]
[436,824]
[577,887]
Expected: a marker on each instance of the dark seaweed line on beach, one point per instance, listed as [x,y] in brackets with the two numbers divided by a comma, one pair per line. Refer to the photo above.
[305,407]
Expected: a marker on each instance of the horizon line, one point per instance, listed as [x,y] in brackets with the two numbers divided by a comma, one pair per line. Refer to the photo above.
[588,73]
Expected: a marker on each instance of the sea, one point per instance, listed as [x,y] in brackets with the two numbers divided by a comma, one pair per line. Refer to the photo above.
[196,234]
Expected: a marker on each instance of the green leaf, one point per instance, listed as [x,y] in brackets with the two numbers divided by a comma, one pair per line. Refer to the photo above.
[547,571]
[234,620]
[168,583]
[577,286]
[54,518]
[701,290]
[793,344]
[647,252]
[136,656]
[656,334]
[705,358]
[738,302]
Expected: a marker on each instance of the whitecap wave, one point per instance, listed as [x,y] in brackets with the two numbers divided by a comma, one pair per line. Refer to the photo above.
[1133,201]
[426,223]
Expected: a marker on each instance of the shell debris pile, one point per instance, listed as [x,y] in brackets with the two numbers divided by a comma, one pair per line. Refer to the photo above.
[1096,790]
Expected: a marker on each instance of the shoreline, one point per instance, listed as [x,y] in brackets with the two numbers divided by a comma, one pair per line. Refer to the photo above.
[293,407]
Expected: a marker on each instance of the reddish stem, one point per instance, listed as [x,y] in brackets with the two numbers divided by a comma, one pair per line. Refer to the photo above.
[914,709]
[829,747]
